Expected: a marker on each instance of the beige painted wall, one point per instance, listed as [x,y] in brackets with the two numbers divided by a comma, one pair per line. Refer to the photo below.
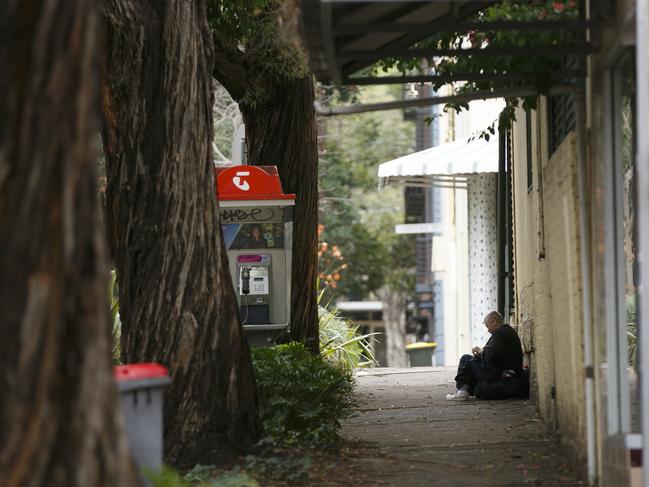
[532,297]
[451,248]
[562,253]
[548,288]
[450,264]
[547,278]
[461,290]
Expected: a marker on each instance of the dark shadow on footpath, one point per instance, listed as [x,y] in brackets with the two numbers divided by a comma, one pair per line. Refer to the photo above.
[405,433]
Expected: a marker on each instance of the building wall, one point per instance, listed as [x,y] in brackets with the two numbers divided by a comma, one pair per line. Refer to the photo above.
[450,265]
[531,286]
[483,268]
[616,399]
[548,280]
[461,290]
[548,309]
[561,208]
[451,249]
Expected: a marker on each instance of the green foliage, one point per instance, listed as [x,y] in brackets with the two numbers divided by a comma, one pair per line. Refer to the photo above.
[290,469]
[632,330]
[201,476]
[200,473]
[235,479]
[167,478]
[331,266]
[257,32]
[302,397]
[227,119]
[368,257]
[285,466]
[541,68]
[356,216]
[340,342]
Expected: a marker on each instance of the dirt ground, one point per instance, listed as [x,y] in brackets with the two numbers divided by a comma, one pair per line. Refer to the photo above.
[405,433]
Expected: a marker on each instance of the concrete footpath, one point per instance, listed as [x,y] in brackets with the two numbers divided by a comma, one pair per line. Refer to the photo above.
[406,433]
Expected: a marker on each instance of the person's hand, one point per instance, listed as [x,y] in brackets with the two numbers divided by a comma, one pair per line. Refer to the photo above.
[476,350]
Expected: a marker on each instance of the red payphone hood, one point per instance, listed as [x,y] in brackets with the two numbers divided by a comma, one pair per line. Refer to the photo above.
[250,183]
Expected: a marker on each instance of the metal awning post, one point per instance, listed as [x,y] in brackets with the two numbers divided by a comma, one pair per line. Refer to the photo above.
[500,218]
[642,174]
[441,100]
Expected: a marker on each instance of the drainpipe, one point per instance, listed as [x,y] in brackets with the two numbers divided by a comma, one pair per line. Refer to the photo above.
[585,261]
[642,172]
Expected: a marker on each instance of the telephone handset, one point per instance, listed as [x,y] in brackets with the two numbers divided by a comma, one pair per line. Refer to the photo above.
[254,288]
[245,281]
[254,280]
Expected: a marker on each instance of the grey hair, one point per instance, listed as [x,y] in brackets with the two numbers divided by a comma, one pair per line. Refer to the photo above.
[495,315]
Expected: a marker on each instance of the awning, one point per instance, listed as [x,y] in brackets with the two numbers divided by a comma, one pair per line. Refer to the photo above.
[345,37]
[443,163]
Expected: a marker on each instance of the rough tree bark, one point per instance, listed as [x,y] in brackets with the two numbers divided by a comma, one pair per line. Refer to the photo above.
[281,130]
[177,302]
[60,421]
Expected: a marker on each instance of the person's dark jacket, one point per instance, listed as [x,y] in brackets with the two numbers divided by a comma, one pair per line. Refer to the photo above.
[503,351]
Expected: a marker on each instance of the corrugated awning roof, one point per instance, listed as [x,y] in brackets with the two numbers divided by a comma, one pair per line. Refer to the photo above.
[345,37]
[459,158]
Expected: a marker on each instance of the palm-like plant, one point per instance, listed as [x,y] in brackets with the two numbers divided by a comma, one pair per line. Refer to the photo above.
[341,343]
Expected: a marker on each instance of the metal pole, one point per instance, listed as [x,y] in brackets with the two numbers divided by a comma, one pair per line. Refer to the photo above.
[642,195]
[585,262]
[500,217]
[439,100]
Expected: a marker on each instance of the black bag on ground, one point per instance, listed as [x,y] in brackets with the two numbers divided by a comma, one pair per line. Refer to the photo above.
[515,387]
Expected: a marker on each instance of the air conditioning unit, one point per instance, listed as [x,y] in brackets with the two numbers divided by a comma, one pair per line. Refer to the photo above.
[623,460]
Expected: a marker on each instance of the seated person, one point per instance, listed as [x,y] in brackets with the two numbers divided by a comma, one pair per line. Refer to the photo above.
[500,357]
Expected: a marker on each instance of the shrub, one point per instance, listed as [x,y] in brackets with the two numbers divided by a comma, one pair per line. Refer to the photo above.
[340,342]
[200,476]
[302,398]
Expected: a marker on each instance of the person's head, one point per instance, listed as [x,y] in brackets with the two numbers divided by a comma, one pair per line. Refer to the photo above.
[255,232]
[493,321]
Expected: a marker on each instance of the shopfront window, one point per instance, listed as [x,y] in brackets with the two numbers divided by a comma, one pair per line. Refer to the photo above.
[626,82]
[622,331]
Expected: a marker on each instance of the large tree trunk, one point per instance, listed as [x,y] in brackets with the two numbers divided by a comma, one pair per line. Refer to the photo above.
[60,419]
[282,132]
[177,302]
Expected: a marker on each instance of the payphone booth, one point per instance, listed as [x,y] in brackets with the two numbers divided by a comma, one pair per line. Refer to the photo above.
[257,223]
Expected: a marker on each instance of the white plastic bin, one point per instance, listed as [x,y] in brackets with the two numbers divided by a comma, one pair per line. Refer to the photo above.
[141,387]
